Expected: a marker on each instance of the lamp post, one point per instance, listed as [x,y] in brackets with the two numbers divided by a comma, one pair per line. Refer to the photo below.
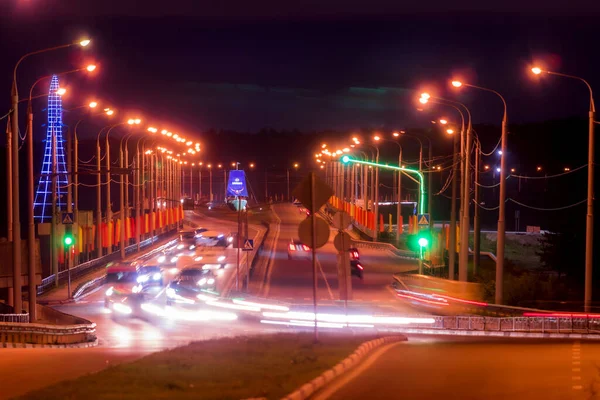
[296,165]
[502,205]
[589,220]
[210,198]
[399,185]
[13,203]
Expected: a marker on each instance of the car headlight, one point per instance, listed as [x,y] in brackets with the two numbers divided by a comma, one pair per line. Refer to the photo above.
[170,292]
[230,239]
[179,247]
[156,276]
[198,258]
[220,272]
[161,259]
[220,236]
[201,281]
[137,289]
[142,279]
[192,247]
[221,258]
[110,291]
[174,259]
[210,281]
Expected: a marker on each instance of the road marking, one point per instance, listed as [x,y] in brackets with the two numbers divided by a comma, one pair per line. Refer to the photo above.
[343,380]
[267,285]
[325,279]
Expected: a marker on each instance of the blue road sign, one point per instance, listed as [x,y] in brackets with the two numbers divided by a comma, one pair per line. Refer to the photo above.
[248,245]
[423,219]
[237,183]
[67,218]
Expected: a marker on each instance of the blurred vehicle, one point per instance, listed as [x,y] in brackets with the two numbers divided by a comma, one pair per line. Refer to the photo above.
[356,268]
[211,238]
[198,231]
[187,203]
[189,283]
[354,254]
[187,236]
[150,275]
[296,249]
[125,299]
[121,272]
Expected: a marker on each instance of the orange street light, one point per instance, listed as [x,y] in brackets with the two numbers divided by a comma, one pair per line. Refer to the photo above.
[61,91]
[220,166]
[486,167]
[567,169]
[90,67]
[251,165]
[376,138]
[296,165]
[539,169]
[443,121]
[449,131]
[423,100]
[456,83]
[425,96]
[93,104]
[109,112]
[84,42]
[512,170]
[396,134]
[536,70]
[323,145]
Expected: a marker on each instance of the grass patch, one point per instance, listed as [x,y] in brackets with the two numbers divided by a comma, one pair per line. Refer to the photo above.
[229,368]
[520,249]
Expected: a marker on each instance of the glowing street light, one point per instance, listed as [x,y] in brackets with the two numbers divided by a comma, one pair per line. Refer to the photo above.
[456,83]
[296,165]
[396,134]
[443,121]
[61,91]
[84,42]
[536,70]
[90,68]
[449,131]
[251,165]
[93,104]
[376,138]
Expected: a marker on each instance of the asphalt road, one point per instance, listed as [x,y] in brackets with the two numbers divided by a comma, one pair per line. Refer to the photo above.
[474,368]
[291,280]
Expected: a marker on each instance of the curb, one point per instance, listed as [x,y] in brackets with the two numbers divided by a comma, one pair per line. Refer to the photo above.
[310,388]
[5,345]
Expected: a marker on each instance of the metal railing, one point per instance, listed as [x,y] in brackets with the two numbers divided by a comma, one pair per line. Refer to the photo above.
[548,324]
[82,269]
[20,318]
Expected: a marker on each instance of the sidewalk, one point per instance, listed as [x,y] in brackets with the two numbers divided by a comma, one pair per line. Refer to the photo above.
[60,294]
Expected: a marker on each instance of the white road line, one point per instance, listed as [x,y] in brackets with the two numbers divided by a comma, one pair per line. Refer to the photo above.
[337,384]
[325,279]
[267,285]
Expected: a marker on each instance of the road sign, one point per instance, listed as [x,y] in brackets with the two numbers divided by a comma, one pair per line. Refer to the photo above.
[423,219]
[248,245]
[341,220]
[305,232]
[67,218]
[237,183]
[342,241]
[303,193]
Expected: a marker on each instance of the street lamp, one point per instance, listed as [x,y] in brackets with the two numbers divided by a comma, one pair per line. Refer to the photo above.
[502,204]
[589,222]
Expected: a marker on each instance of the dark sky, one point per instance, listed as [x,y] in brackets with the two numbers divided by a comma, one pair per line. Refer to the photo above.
[310,65]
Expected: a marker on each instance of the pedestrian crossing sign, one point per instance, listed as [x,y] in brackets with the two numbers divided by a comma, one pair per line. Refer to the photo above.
[248,245]
[67,218]
[423,219]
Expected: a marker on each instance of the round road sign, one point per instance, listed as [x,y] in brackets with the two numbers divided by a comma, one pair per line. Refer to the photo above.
[342,241]
[305,232]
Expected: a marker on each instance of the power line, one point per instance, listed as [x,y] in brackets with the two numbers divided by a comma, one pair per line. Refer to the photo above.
[550,176]
[549,209]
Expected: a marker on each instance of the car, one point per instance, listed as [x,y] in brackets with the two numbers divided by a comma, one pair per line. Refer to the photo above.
[190,283]
[356,268]
[198,231]
[121,272]
[150,275]
[125,299]
[187,236]
[297,249]
[212,238]
[354,254]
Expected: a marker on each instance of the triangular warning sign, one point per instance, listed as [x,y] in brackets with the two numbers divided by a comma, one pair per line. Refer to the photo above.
[248,245]
[67,219]
[423,220]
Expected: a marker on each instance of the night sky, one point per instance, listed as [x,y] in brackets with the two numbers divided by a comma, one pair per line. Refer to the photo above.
[314,66]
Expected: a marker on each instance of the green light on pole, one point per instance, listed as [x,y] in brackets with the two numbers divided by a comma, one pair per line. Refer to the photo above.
[347,159]
[68,240]
[423,242]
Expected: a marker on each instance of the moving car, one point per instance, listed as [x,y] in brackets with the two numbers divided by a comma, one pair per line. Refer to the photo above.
[150,275]
[211,238]
[190,283]
[354,254]
[198,231]
[187,236]
[296,249]
[121,272]
[356,268]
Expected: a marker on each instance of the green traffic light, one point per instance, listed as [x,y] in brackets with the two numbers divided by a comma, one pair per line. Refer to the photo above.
[423,242]
[345,159]
[68,240]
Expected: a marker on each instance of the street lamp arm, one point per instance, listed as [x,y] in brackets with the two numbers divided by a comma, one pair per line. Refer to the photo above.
[34,53]
[592,106]
[495,92]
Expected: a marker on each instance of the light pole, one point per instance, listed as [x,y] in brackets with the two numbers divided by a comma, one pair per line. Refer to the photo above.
[399,185]
[376,138]
[210,198]
[296,165]
[14,183]
[589,220]
[502,205]
[465,153]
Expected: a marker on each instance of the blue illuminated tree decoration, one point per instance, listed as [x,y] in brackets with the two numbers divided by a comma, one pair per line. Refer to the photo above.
[43,196]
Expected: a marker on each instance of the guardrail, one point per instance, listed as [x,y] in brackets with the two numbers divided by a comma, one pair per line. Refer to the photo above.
[20,318]
[84,268]
[47,334]
[547,324]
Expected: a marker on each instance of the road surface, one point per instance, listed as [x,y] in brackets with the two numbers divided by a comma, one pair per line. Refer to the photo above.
[474,368]
[291,280]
